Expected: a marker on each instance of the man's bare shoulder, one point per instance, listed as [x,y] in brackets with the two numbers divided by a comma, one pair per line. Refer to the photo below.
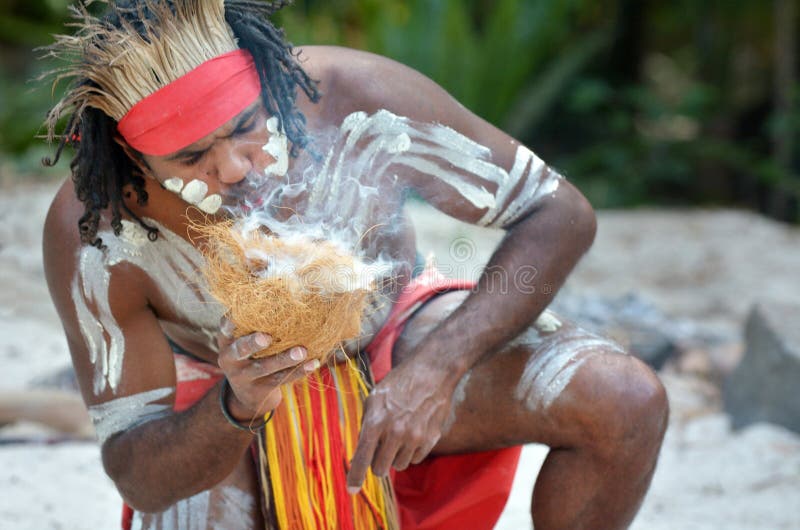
[62,247]
[61,237]
[354,80]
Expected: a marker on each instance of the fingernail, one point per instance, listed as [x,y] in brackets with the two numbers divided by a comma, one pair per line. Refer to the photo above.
[311,366]
[352,490]
[263,340]
[297,353]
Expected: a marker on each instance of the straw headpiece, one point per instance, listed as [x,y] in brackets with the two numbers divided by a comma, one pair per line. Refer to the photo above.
[117,63]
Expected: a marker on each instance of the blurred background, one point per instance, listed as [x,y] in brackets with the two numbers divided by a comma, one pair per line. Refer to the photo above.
[637,101]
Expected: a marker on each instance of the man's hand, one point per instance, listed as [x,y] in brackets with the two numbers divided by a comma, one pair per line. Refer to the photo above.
[403,419]
[256,382]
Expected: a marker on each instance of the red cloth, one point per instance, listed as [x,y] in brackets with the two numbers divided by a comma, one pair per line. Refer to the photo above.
[449,492]
[193,106]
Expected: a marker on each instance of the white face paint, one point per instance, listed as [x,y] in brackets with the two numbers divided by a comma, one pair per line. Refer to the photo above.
[124,413]
[170,262]
[557,360]
[210,204]
[174,184]
[278,148]
[195,193]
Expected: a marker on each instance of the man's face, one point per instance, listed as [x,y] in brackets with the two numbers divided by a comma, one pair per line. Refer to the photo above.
[214,170]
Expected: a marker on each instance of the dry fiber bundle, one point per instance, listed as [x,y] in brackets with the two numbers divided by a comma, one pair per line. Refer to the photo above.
[123,66]
[302,292]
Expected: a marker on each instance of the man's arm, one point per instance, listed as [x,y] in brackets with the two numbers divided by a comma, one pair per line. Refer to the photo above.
[549,226]
[154,456]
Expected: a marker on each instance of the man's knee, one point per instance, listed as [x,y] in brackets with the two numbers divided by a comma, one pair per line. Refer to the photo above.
[626,405]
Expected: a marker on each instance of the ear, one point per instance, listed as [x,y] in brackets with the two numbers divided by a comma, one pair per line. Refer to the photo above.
[135,156]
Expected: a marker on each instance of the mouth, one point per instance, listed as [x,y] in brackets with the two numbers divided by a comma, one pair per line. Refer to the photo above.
[247,194]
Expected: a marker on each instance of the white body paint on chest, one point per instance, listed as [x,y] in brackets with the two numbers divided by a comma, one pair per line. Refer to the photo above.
[367,146]
[170,262]
[558,358]
[127,412]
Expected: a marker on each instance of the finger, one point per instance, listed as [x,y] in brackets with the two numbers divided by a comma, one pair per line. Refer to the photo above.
[367,443]
[422,453]
[403,458]
[385,455]
[245,347]
[288,375]
[267,366]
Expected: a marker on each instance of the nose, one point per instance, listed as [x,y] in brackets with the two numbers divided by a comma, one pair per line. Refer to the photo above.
[233,162]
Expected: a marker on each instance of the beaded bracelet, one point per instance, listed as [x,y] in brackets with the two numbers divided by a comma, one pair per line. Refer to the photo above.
[223,396]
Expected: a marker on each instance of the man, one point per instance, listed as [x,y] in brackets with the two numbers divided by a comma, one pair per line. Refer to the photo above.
[179,104]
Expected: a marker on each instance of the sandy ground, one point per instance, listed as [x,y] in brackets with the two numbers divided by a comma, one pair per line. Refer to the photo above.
[707,267]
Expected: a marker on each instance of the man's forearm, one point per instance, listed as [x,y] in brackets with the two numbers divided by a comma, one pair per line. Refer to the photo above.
[163,461]
[520,280]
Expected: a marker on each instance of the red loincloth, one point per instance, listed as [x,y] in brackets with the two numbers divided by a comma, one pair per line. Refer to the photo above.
[450,492]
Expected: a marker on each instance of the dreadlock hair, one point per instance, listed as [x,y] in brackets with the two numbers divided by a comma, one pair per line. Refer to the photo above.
[100,167]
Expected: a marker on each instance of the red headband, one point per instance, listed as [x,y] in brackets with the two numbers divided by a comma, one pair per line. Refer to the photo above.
[192,106]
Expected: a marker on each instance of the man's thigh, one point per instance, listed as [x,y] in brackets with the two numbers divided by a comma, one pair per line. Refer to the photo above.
[556,384]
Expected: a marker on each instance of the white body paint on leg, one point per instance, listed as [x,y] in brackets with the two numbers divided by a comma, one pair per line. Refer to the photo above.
[127,412]
[556,361]
[170,261]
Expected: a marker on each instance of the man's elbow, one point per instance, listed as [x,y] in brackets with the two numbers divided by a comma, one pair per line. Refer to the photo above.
[570,219]
[583,220]
[122,472]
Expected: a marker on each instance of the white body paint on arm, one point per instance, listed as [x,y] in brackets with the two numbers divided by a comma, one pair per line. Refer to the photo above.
[172,264]
[127,412]
[367,146]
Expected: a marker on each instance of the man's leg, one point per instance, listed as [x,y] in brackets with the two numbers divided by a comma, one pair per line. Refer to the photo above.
[602,412]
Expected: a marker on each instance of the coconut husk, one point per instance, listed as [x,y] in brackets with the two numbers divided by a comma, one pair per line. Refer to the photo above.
[300,291]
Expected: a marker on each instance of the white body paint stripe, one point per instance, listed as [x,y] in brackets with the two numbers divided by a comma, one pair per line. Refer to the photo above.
[171,262]
[127,412]
[367,146]
[556,362]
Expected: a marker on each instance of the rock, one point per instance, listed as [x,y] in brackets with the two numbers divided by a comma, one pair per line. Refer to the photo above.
[764,385]
[695,361]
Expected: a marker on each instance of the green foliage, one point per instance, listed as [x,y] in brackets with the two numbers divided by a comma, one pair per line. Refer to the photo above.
[489,56]
[634,101]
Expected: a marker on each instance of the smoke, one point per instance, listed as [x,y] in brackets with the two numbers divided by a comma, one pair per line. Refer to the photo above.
[334,193]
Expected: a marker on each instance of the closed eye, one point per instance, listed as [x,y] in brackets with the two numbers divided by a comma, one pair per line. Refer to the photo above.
[246,127]
[190,159]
